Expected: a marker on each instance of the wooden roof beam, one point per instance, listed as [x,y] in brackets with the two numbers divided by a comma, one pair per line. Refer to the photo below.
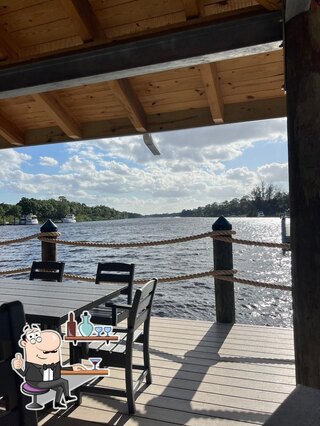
[270,4]
[191,8]
[59,114]
[210,80]
[84,20]
[10,132]
[207,43]
[123,91]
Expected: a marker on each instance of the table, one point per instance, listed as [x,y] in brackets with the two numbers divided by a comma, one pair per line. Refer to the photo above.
[48,303]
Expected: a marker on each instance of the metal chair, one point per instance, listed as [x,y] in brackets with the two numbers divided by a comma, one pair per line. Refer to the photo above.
[113,312]
[120,354]
[12,401]
[48,271]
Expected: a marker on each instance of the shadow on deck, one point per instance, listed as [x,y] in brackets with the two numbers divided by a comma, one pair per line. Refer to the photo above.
[203,374]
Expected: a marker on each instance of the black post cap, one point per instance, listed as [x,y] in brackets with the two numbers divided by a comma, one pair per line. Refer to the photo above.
[221,224]
[49,226]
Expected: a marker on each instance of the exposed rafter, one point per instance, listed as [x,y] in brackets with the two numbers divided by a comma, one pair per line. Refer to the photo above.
[10,132]
[59,114]
[191,8]
[84,20]
[270,4]
[8,46]
[207,43]
[210,80]
[125,94]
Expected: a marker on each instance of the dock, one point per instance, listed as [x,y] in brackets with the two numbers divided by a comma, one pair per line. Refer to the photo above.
[204,373]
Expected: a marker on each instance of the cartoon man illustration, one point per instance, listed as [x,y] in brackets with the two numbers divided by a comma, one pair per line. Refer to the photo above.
[41,366]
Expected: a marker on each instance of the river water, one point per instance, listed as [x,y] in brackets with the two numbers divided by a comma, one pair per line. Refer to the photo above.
[193,299]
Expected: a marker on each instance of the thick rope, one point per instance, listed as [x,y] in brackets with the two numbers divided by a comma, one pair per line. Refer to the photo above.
[167,279]
[252,243]
[31,237]
[139,244]
[51,237]
[14,271]
[256,283]
[225,275]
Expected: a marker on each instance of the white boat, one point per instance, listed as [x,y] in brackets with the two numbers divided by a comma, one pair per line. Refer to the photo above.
[28,219]
[69,218]
[260,213]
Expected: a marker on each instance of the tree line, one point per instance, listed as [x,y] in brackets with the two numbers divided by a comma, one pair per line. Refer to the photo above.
[57,209]
[264,197]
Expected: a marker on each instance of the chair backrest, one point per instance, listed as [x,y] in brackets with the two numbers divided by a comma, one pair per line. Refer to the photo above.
[117,273]
[142,304]
[49,271]
[12,401]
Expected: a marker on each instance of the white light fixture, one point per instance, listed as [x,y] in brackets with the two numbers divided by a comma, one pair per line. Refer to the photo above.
[148,140]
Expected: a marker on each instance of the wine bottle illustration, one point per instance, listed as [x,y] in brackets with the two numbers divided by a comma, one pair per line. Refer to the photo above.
[71,325]
[85,327]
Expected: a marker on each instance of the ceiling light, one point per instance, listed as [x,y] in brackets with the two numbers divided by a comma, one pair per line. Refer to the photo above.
[148,140]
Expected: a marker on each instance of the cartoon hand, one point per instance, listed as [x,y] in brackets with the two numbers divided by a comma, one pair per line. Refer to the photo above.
[78,367]
[17,362]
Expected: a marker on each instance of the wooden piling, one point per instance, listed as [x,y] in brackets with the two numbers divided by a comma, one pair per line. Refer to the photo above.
[302,47]
[223,260]
[49,250]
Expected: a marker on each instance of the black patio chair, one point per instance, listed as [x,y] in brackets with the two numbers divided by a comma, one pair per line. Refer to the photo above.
[112,313]
[12,401]
[48,271]
[120,354]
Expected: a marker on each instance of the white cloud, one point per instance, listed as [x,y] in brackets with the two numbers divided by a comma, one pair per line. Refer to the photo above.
[48,161]
[122,173]
[274,172]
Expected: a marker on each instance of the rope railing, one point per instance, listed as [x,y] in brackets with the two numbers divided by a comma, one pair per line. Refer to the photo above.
[139,244]
[39,235]
[224,275]
[51,237]
[252,243]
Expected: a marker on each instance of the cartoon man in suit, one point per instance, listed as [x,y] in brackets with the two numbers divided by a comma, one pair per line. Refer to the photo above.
[41,367]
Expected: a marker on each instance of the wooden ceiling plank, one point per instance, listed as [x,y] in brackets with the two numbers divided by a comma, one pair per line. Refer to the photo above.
[207,43]
[123,91]
[191,8]
[213,91]
[270,4]
[8,45]
[84,20]
[10,132]
[158,122]
[59,114]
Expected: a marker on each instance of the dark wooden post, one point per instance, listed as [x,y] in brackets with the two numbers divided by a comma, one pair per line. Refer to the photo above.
[49,250]
[302,53]
[223,260]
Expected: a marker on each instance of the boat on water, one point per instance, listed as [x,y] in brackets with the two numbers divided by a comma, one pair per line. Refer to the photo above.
[260,213]
[28,219]
[69,218]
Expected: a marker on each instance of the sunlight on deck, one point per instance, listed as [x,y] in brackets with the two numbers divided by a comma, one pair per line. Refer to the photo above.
[203,374]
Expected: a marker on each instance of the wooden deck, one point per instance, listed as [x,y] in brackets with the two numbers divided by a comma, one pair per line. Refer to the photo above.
[203,374]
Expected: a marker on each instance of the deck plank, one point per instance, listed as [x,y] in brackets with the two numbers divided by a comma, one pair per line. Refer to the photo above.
[203,374]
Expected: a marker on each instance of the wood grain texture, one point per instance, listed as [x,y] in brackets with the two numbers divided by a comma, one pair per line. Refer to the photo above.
[213,91]
[10,132]
[84,19]
[59,114]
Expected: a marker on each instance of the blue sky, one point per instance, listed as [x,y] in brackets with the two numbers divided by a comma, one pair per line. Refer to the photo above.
[196,167]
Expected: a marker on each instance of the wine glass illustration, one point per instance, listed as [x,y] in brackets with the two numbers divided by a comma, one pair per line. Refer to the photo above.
[95,361]
[108,329]
[98,329]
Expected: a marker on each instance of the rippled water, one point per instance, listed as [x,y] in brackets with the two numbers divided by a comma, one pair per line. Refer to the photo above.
[184,299]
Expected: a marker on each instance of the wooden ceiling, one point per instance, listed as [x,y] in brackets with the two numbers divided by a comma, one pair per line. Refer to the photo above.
[87,69]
